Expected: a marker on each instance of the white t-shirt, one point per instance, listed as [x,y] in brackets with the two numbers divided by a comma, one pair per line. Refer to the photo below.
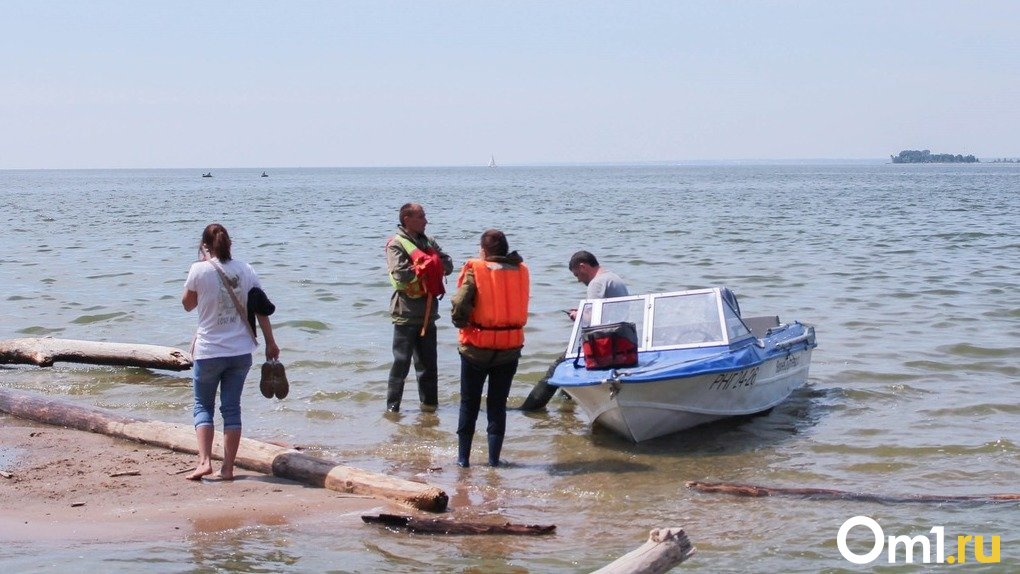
[221,330]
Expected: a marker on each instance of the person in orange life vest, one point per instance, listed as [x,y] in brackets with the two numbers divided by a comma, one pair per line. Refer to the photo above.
[490,308]
[416,265]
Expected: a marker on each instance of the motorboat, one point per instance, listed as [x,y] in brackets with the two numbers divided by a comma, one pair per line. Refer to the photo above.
[696,361]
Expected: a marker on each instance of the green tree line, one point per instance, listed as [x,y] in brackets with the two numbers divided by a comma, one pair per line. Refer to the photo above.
[925,156]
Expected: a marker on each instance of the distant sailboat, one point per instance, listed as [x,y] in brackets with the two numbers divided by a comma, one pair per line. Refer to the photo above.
[492,161]
[264,174]
[208,174]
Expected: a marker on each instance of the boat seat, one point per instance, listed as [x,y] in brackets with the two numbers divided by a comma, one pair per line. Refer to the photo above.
[759,326]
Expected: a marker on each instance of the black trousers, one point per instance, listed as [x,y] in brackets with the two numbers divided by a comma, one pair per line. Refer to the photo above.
[472,380]
[408,344]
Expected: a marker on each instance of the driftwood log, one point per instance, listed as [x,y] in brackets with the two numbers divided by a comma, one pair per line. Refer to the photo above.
[45,351]
[665,548]
[438,526]
[252,454]
[828,494]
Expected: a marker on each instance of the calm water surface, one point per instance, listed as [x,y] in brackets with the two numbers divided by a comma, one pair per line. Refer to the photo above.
[908,272]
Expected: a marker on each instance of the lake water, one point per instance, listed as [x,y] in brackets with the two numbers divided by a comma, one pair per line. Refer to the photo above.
[909,273]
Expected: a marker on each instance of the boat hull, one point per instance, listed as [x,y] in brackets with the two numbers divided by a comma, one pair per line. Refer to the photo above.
[642,410]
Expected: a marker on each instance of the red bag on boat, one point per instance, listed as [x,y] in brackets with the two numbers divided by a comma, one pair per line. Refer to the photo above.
[609,346]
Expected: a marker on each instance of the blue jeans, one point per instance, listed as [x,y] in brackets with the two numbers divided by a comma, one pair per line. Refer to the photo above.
[227,374]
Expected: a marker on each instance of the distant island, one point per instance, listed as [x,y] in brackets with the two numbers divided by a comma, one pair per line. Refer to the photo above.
[925,156]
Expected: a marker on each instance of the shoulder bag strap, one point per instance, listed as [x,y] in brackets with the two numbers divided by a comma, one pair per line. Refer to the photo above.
[233,296]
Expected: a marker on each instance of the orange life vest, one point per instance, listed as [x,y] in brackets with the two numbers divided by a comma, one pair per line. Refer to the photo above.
[501,305]
[428,271]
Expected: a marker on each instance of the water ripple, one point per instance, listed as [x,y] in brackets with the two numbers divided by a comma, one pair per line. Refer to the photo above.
[87,319]
[983,410]
[982,367]
[306,325]
[915,451]
[970,350]
[39,331]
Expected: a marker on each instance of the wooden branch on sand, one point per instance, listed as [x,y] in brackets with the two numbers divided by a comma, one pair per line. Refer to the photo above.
[437,526]
[829,494]
[252,455]
[665,548]
[45,351]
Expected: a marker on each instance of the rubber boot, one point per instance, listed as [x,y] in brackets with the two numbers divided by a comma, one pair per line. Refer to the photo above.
[394,392]
[495,446]
[463,451]
[542,392]
[539,396]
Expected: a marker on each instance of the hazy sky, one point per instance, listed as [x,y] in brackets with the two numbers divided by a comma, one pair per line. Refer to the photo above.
[375,83]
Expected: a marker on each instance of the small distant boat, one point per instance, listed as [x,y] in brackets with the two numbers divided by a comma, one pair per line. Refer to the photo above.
[492,161]
[264,174]
[207,174]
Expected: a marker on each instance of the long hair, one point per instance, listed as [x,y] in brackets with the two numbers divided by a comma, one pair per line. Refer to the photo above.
[216,239]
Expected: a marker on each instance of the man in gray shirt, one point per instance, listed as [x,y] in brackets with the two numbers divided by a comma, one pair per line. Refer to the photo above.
[601,283]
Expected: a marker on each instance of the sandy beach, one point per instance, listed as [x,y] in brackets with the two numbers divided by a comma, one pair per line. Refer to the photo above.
[68,485]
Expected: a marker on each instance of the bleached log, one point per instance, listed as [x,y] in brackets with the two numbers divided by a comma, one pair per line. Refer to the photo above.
[753,490]
[665,549]
[252,454]
[46,351]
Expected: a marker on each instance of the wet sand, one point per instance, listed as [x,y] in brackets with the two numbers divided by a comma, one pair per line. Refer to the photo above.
[69,485]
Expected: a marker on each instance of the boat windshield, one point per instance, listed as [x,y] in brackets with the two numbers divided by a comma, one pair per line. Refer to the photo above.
[629,309]
[685,320]
[698,318]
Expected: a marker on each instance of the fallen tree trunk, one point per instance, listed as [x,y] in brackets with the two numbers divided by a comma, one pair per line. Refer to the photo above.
[45,351]
[437,526]
[665,548]
[829,494]
[252,454]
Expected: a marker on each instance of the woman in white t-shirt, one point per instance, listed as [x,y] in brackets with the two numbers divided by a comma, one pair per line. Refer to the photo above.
[223,345]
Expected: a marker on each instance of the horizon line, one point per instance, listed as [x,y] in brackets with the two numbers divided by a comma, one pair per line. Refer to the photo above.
[636,163]
[633,163]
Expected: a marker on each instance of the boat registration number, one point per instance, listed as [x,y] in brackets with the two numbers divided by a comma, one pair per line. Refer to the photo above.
[735,380]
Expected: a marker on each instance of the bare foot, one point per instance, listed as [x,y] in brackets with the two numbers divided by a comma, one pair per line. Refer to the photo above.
[224,476]
[199,473]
